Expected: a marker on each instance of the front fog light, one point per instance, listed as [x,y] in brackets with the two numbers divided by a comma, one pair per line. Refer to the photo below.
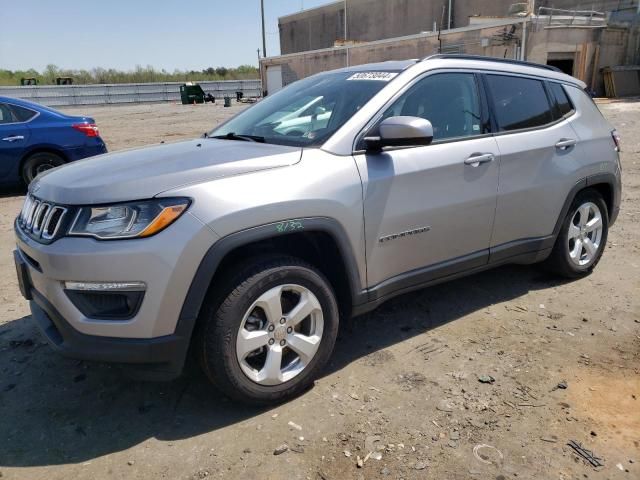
[106,300]
[105,286]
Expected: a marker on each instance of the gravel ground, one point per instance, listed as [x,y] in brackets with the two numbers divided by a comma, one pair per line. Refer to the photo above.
[404,382]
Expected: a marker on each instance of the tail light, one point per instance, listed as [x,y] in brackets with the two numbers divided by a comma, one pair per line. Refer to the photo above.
[616,139]
[89,129]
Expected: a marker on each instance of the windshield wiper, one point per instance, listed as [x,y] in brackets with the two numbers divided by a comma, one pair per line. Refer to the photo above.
[234,136]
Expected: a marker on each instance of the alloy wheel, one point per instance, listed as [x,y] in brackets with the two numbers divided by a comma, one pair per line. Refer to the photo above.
[280,334]
[585,234]
[38,169]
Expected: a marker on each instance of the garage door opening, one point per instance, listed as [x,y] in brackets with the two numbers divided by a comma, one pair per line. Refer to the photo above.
[566,65]
[274,79]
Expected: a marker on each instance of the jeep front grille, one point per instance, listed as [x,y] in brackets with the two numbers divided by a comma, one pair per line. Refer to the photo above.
[39,219]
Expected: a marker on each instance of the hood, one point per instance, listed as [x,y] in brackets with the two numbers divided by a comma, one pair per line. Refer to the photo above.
[145,172]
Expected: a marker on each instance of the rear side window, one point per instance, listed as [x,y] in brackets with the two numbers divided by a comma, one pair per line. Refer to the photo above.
[562,104]
[5,114]
[519,102]
[22,114]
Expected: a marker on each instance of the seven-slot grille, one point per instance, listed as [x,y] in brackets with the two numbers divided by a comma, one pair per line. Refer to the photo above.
[41,219]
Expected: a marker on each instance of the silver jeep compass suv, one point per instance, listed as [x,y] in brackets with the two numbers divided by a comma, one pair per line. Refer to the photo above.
[327,198]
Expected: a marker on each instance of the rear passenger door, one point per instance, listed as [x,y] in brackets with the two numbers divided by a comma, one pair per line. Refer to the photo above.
[537,159]
[14,138]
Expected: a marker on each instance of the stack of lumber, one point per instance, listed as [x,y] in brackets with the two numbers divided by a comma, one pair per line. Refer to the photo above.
[622,81]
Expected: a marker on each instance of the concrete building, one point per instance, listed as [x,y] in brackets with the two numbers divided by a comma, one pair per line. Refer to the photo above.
[578,42]
[371,20]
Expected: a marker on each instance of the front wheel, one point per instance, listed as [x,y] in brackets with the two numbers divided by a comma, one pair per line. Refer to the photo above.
[271,334]
[582,238]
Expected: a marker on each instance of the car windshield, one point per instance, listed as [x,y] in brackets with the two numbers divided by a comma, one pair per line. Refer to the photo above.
[307,112]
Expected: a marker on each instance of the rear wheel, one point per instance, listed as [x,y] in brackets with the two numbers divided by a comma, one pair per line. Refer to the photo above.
[271,334]
[582,238]
[38,163]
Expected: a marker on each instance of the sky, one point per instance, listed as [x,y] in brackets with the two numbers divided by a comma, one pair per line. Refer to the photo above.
[169,34]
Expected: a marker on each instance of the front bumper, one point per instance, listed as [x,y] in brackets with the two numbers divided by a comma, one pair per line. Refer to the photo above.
[163,356]
[166,263]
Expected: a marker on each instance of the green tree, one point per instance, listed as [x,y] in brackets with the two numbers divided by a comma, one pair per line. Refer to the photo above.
[139,74]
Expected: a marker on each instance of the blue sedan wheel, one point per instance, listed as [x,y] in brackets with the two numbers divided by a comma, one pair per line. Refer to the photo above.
[38,163]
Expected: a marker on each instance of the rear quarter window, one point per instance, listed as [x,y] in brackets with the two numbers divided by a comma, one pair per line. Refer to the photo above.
[562,105]
[5,114]
[519,103]
[22,114]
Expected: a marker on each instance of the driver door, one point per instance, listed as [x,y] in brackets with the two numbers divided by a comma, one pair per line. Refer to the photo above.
[429,210]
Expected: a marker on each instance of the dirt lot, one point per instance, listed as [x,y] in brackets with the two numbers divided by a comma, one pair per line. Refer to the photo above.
[404,382]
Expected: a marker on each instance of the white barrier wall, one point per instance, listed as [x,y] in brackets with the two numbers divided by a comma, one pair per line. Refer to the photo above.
[105,94]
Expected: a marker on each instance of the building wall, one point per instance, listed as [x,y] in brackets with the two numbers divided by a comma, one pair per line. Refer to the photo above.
[463,9]
[370,20]
[598,5]
[300,65]
[311,29]
[590,48]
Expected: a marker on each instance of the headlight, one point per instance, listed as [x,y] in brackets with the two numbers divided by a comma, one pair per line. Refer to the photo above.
[128,220]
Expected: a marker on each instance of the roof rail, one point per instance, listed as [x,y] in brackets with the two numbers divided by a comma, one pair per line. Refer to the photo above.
[481,58]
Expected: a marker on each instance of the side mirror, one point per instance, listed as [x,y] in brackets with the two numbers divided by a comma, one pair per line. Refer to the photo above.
[401,132]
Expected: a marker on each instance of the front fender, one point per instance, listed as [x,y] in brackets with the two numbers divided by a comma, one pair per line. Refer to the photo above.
[214,256]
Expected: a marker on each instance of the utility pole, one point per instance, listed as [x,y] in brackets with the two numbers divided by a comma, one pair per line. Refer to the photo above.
[264,38]
[531,7]
[345,21]
[440,30]
[345,43]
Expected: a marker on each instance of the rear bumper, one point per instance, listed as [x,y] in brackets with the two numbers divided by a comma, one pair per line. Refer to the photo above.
[90,150]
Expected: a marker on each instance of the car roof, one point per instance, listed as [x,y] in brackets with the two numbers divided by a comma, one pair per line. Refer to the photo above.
[19,101]
[31,105]
[389,66]
[500,65]
[475,62]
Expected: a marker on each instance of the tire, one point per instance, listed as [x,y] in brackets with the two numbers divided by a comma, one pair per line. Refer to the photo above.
[38,163]
[564,259]
[243,309]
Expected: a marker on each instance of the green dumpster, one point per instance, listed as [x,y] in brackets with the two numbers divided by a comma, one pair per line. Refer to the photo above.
[191,93]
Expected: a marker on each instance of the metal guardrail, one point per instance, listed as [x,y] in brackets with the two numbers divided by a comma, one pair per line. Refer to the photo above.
[109,94]
[556,16]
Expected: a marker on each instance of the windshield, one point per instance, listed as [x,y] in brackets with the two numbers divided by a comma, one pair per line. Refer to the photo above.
[307,112]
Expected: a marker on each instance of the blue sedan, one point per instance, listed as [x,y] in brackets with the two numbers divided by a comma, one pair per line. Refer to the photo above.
[35,138]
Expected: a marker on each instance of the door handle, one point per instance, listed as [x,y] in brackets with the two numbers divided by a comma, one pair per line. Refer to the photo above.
[13,138]
[566,143]
[476,160]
